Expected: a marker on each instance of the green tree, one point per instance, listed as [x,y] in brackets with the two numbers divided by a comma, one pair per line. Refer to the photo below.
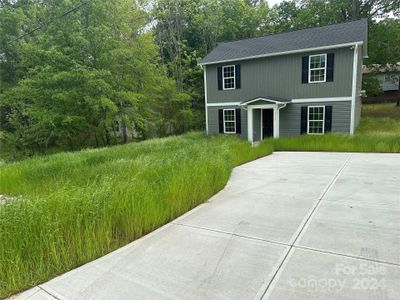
[186,30]
[371,85]
[384,42]
[297,14]
[79,73]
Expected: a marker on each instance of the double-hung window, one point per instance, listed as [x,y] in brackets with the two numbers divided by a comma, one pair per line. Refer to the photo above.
[229,121]
[228,77]
[316,119]
[317,68]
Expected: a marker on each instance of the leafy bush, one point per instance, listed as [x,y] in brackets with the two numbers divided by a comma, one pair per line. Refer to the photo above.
[371,85]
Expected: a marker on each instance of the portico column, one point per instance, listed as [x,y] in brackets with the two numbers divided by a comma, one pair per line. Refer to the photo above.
[250,125]
[276,122]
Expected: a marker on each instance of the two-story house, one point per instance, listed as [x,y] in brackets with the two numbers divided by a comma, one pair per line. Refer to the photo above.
[299,82]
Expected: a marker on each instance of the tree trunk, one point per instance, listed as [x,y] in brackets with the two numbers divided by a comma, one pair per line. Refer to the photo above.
[125,132]
[355,9]
[107,136]
[97,140]
[71,144]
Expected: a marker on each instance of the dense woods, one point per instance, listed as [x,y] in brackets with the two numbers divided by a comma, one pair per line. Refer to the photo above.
[77,74]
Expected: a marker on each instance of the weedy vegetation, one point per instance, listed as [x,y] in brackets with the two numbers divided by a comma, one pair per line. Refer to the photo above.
[74,207]
[64,210]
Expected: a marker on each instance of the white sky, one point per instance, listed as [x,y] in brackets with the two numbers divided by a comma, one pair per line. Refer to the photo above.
[273,2]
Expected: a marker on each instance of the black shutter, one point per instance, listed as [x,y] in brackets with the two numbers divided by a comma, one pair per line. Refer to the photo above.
[304,72]
[304,117]
[238,121]
[328,118]
[221,120]
[220,78]
[237,76]
[329,66]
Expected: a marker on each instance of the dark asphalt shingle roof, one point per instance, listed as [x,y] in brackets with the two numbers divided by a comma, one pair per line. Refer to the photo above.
[341,33]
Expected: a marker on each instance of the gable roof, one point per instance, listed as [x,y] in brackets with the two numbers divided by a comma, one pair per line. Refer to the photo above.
[344,34]
[266,99]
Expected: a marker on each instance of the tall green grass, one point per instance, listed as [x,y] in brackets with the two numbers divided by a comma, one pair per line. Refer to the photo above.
[373,142]
[378,131]
[75,207]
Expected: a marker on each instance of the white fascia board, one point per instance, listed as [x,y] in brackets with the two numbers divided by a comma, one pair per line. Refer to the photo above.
[284,53]
[314,100]
[302,100]
[223,104]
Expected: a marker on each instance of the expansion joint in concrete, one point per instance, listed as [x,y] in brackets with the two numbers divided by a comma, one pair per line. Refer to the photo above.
[47,292]
[302,226]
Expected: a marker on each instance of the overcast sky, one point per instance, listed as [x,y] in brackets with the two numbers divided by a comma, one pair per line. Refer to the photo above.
[273,2]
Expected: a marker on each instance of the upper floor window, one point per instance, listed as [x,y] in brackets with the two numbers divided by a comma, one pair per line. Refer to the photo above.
[317,68]
[229,121]
[228,77]
[316,119]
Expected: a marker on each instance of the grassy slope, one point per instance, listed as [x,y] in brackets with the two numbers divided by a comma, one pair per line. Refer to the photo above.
[82,205]
[379,131]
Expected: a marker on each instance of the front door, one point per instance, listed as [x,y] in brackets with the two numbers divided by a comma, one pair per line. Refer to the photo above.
[267,123]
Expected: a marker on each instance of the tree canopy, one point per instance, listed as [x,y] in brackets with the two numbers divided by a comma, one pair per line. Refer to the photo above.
[76,73]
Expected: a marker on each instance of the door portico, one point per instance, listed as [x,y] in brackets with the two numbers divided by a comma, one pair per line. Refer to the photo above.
[255,109]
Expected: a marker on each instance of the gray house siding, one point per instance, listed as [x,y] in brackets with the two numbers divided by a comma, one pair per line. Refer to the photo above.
[389,81]
[280,76]
[290,117]
[213,121]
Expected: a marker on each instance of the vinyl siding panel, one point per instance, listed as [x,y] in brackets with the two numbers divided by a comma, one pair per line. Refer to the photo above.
[213,123]
[290,117]
[280,76]
[389,81]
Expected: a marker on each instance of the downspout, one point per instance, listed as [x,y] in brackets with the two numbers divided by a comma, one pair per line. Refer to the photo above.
[353,91]
[279,118]
[205,95]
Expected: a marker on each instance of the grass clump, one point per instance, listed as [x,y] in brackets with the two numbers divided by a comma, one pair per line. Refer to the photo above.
[75,207]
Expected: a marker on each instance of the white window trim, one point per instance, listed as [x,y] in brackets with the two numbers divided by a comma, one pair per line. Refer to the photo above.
[234,120]
[323,120]
[223,77]
[324,68]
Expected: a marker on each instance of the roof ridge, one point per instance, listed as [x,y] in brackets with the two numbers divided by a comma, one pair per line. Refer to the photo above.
[294,30]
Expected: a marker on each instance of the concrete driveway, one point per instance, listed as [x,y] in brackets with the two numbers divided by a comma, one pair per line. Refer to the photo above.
[288,226]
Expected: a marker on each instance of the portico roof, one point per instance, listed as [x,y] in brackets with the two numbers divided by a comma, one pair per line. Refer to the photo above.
[274,100]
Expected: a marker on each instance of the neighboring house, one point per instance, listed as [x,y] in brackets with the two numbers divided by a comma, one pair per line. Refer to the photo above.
[300,82]
[389,80]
